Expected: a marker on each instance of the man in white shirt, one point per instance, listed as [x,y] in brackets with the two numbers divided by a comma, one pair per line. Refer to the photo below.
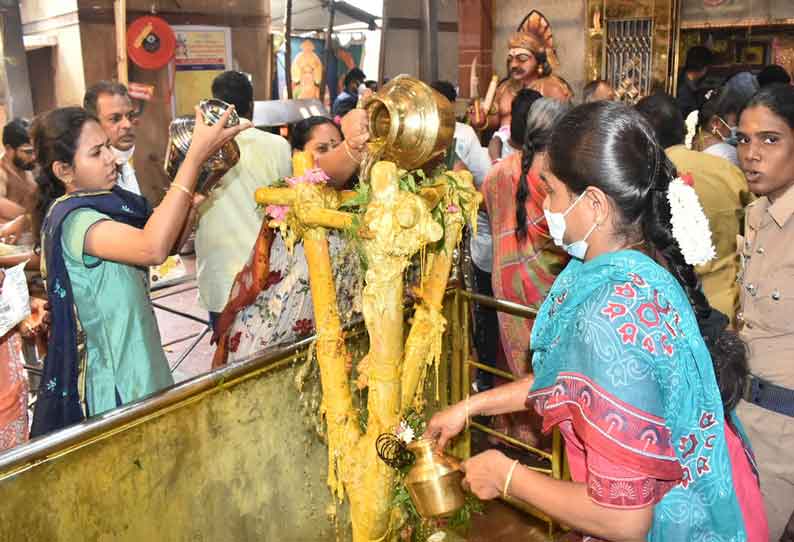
[229,220]
[111,103]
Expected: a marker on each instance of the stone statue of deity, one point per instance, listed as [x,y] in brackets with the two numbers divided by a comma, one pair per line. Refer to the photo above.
[530,61]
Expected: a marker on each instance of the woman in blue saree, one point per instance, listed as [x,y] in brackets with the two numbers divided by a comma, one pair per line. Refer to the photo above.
[97,242]
[620,364]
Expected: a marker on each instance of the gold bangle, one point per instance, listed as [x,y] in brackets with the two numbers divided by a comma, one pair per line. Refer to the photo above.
[349,152]
[182,188]
[509,478]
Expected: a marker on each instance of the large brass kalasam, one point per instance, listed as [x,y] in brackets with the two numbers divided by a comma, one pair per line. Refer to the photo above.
[181,133]
[412,122]
[434,481]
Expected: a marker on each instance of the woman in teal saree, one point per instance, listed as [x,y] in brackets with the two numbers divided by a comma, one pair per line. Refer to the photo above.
[620,364]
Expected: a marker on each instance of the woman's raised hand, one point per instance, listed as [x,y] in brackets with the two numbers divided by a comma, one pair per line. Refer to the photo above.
[355,128]
[208,139]
[447,424]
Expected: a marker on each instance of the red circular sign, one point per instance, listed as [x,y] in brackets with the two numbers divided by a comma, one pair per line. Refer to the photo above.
[150,42]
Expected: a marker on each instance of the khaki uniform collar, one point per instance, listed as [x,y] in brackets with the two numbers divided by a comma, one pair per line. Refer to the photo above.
[782,209]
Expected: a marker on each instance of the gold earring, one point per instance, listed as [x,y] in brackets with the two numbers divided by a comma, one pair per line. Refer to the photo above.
[540,70]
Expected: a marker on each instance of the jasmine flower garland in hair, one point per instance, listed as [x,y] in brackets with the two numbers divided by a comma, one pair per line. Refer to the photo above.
[690,225]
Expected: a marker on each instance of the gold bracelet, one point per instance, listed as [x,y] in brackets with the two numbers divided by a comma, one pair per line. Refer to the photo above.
[349,152]
[509,478]
[182,188]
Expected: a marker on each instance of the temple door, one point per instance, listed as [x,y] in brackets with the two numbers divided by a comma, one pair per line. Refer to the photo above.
[633,45]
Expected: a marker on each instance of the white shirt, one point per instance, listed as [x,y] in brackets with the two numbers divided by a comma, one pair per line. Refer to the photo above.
[724,150]
[229,219]
[126,178]
[475,157]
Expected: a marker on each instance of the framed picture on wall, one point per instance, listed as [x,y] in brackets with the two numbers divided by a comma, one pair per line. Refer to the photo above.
[753,53]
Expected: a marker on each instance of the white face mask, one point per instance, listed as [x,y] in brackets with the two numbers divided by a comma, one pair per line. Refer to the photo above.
[557,227]
[122,157]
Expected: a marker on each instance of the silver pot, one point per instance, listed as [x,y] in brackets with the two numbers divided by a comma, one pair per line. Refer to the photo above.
[181,133]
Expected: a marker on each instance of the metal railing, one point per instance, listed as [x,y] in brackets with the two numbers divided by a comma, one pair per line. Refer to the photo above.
[460,386]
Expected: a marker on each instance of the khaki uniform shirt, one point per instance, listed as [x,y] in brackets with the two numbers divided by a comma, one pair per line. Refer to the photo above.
[723,193]
[766,324]
[766,320]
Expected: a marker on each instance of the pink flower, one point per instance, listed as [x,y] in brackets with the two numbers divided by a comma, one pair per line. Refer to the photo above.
[277,212]
[315,176]
[452,208]
[311,176]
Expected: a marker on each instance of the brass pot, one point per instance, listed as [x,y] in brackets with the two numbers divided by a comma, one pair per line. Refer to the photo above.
[181,133]
[434,481]
[413,123]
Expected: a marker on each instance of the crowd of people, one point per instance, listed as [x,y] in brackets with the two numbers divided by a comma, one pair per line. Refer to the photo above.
[651,238]
[644,235]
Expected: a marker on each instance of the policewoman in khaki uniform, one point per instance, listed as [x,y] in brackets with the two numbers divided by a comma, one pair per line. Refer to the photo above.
[766,319]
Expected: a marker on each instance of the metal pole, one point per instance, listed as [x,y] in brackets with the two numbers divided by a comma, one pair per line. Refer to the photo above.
[430,33]
[328,52]
[288,49]
[120,11]
[383,41]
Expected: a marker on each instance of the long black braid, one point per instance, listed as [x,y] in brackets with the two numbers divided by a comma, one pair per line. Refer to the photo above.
[539,124]
[612,147]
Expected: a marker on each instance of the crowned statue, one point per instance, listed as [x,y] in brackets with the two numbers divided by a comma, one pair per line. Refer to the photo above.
[531,60]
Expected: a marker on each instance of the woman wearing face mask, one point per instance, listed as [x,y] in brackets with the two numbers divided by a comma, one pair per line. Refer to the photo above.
[717,126]
[766,153]
[620,366]
[267,310]
[104,348]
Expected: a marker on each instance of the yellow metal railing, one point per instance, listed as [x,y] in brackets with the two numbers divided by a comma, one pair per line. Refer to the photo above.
[461,365]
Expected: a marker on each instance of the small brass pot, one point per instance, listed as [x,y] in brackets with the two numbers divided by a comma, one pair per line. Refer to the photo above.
[181,133]
[434,481]
[413,123]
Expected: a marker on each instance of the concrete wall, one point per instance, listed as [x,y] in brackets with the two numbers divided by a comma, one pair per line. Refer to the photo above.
[404,46]
[65,79]
[241,463]
[36,10]
[18,101]
[567,18]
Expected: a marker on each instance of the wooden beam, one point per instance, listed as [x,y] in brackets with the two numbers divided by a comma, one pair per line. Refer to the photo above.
[288,49]
[120,12]
[179,18]
[407,23]
[329,41]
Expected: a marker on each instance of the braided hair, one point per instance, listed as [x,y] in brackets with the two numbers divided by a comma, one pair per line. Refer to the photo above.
[614,148]
[55,137]
[539,123]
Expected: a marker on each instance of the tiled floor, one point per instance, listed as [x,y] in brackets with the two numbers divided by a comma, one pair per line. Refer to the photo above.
[179,332]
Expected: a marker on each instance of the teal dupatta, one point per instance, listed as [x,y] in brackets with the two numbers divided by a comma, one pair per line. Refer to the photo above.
[617,352]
